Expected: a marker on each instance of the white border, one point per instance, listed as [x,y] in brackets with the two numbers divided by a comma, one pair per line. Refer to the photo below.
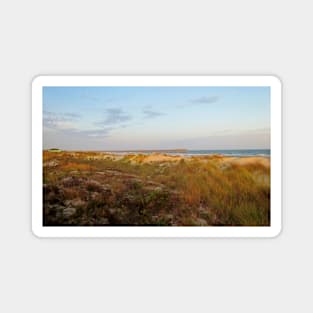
[172,231]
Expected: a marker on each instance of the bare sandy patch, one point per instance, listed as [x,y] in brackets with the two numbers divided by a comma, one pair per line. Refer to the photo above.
[158,157]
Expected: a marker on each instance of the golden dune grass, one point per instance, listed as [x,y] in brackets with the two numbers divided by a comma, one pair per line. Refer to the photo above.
[156,189]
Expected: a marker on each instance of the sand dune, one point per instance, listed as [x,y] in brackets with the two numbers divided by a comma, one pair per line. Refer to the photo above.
[159,158]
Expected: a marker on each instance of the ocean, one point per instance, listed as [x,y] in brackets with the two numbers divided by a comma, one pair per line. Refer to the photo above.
[236,153]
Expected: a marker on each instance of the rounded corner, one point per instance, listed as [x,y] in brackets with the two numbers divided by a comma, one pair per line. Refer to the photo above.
[276,80]
[37,80]
[276,232]
[36,233]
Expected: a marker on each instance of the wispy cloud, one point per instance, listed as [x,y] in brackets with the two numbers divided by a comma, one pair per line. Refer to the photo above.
[65,123]
[229,139]
[72,115]
[89,98]
[114,116]
[240,132]
[96,100]
[151,114]
[95,132]
[223,132]
[205,100]
[59,120]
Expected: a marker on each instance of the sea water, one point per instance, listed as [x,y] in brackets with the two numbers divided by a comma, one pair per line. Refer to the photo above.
[236,153]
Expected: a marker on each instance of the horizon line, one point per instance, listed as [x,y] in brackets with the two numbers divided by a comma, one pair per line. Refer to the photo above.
[152,150]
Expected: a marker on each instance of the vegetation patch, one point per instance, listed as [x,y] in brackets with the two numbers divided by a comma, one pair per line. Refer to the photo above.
[98,189]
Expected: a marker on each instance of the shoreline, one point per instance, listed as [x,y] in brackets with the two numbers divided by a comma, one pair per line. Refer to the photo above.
[175,152]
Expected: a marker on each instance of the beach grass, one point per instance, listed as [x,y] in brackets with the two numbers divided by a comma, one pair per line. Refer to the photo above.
[92,188]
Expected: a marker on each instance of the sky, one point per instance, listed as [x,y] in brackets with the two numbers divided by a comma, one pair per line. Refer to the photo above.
[137,118]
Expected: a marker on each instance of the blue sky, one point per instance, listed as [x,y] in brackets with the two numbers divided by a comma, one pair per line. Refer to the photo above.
[126,118]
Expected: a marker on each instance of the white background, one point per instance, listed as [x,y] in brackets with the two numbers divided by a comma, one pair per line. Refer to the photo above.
[155,37]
